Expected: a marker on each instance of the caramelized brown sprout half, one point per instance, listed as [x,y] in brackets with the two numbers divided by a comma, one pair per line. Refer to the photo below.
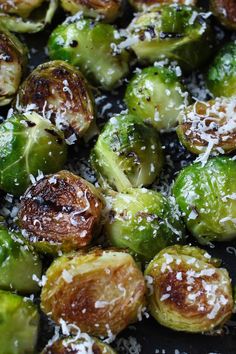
[142,4]
[101,292]
[26,15]
[209,126]
[225,11]
[188,290]
[108,10]
[61,93]
[61,211]
[13,59]
[85,344]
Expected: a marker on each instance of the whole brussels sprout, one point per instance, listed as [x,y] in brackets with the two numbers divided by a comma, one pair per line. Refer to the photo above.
[59,91]
[209,125]
[83,345]
[26,15]
[144,222]
[207,197]
[221,77]
[13,59]
[91,46]
[127,154]
[189,291]
[28,143]
[61,211]
[101,292]
[18,325]
[157,96]
[19,263]
[106,9]
[176,32]
[225,11]
[143,4]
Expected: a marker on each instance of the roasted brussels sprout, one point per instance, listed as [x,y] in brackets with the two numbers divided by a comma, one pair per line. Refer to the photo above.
[225,11]
[61,211]
[209,126]
[127,154]
[190,292]
[19,263]
[144,222]
[60,92]
[83,345]
[143,4]
[93,48]
[172,31]
[18,325]
[108,10]
[221,77]
[157,96]
[13,59]
[206,196]
[28,144]
[26,15]
[101,292]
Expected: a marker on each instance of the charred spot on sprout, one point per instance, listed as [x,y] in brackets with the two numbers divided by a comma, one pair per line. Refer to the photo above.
[225,11]
[189,291]
[210,190]
[61,211]
[101,292]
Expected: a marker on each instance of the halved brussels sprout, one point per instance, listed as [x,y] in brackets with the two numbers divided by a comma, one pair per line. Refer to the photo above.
[19,263]
[13,59]
[221,77]
[209,126]
[176,32]
[190,292]
[156,96]
[60,92]
[26,16]
[144,222]
[91,46]
[108,10]
[127,154]
[28,144]
[101,292]
[84,344]
[143,4]
[61,211]
[207,197]
[225,11]
[19,324]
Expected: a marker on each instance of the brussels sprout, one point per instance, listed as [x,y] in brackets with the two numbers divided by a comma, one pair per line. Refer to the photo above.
[207,197]
[175,32]
[84,344]
[61,211]
[225,11]
[101,292]
[13,59]
[26,16]
[19,263]
[127,154]
[221,77]
[209,125]
[92,47]
[59,91]
[156,95]
[144,222]
[18,325]
[189,291]
[106,9]
[28,143]
[143,4]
